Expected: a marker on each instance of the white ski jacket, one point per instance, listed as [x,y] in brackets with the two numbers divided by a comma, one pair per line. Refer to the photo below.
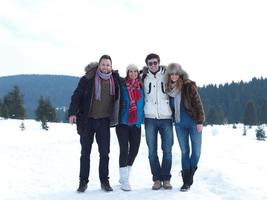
[157,105]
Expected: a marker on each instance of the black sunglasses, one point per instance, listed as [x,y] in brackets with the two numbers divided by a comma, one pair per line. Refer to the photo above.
[152,63]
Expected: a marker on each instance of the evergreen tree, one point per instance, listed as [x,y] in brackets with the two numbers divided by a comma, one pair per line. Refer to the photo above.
[5,111]
[22,126]
[244,130]
[1,108]
[215,116]
[44,125]
[220,117]
[263,112]
[211,116]
[250,117]
[13,105]
[260,133]
[45,112]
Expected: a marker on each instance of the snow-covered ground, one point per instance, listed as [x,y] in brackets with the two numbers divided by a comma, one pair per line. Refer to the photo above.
[39,164]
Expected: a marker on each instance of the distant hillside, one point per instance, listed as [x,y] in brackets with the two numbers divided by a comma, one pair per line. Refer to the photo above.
[58,88]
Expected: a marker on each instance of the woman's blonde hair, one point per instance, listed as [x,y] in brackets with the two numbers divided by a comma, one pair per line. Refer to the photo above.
[169,84]
[175,68]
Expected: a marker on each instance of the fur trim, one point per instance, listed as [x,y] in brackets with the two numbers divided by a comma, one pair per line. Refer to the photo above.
[90,69]
[176,68]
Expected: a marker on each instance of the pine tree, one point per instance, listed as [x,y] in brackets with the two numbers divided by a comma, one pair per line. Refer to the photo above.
[13,105]
[22,126]
[263,112]
[260,133]
[5,111]
[220,117]
[215,116]
[250,117]
[211,116]
[1,108]
[45,112]
[234,126]
[44,125]
[244,130]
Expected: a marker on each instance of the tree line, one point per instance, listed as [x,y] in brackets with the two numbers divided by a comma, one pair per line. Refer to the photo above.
[237,102]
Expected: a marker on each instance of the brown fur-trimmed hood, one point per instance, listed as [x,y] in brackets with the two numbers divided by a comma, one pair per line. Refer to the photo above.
[90,69]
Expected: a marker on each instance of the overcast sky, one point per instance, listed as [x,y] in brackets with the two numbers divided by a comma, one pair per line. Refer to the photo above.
[215,41]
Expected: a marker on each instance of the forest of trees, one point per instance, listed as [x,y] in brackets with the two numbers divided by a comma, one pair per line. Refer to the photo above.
[237,102]
[12,106]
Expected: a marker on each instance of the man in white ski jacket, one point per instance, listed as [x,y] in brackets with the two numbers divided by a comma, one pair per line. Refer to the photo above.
[158,119]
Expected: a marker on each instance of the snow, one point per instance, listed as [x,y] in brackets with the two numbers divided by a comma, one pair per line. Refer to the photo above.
[39,164]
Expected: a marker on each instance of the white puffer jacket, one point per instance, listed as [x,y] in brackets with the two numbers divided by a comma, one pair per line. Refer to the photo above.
[157,103]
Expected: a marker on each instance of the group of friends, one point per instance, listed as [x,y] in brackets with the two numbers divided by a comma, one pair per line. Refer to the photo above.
[163,98]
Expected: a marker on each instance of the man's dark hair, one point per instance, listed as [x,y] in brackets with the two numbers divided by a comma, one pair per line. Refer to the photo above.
[105,57]
[151,56]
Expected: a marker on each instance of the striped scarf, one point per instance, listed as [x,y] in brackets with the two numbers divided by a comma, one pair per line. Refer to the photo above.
[99,75]
[133,88]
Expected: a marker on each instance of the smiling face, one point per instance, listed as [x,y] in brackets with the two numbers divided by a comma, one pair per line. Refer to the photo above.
[105,66]
[153,65]
[174,77]
[133,74]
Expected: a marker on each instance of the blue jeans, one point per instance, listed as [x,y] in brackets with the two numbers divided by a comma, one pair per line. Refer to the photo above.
[164,127]
[183,134]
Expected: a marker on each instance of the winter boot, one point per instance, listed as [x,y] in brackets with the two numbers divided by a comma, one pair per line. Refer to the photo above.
[82,186]
[167,185]
[157,185]
[192,172]
[129,171]
[106,186]
[124,179]
[186,179]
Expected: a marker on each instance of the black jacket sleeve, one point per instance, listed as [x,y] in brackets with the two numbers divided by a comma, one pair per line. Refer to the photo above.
[76,98]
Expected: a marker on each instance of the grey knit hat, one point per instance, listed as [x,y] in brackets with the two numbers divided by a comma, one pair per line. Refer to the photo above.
[131,67]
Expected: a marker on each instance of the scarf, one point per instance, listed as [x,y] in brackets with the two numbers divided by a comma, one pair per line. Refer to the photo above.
[133,88]
[176,94]
[99,75]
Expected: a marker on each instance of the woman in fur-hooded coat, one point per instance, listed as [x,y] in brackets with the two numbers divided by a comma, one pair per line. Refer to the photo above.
[188,115]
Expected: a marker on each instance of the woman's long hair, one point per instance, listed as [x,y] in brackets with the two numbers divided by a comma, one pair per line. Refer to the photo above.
[170,85]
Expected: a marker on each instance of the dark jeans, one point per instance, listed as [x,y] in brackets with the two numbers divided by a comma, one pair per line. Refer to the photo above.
[164,127]
[100,128]
[129,138]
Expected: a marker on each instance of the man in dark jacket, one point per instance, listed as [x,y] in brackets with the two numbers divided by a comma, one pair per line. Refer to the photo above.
[94,107]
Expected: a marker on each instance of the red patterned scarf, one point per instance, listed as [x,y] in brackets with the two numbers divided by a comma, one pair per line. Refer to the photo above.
[133,88]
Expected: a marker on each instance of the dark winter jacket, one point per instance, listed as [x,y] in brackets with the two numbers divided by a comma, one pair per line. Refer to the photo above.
[81,99]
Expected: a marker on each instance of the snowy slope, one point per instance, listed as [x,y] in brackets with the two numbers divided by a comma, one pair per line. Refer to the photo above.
[38,164]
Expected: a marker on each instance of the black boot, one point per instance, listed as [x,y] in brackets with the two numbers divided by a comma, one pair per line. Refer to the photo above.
[82,186]
[106,186]
[192,173]
[186,179]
